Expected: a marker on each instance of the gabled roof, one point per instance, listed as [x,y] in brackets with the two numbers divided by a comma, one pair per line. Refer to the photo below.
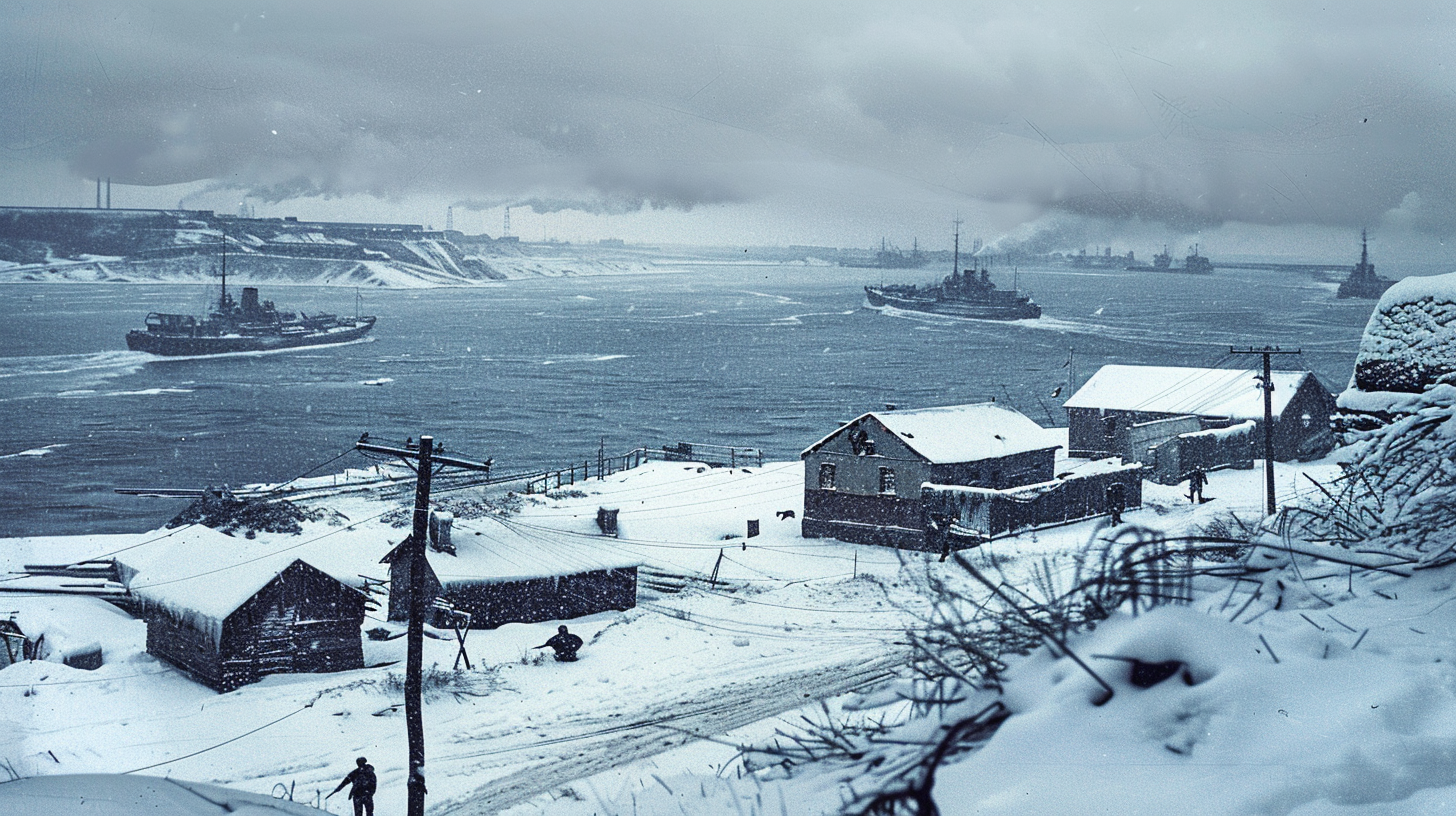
[489,550]
[960,433]
[1211,392]
[198,571]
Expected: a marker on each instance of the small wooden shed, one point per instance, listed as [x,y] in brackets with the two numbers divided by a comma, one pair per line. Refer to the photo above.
[501,572]
[229,613]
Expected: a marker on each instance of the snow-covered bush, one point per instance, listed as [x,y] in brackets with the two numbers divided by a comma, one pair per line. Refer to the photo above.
[1398,489]
[982,617]
[436,682]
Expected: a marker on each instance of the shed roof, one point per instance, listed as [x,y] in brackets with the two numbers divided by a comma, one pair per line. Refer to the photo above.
[489,550]
[1220,392]
[961,433]
[198,571]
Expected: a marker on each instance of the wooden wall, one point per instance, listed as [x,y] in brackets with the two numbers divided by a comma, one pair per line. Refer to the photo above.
[301,621]
[544,599]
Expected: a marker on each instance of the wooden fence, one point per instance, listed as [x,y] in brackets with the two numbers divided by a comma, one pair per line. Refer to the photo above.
[604,466]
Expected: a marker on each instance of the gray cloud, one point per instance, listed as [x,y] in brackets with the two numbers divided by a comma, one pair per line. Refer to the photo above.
[1185,115]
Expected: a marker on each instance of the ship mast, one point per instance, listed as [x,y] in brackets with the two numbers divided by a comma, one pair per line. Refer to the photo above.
[222,305]
[955,264]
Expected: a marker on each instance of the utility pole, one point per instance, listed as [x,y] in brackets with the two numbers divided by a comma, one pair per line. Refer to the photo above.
[1266,382]
[423,458]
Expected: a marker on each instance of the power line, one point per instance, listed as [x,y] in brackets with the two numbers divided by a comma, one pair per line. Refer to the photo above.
[79,682]
[220,744]
[262,557]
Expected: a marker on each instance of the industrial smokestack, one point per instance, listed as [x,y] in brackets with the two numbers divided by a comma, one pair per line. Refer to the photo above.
[98,192]
[108,192]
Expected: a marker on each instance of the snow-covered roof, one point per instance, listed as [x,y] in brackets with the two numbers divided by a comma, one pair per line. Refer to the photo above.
[1221,392]
[70,624]
[201,573]
[961,433]
[490,550]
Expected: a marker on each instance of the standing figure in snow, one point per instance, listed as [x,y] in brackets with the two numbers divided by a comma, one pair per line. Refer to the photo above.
[1116,499]
[363,781]
[565,643]
[1196,480]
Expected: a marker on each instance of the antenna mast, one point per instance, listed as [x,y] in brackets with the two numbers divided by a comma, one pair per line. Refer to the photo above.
[955,264]
[222,301]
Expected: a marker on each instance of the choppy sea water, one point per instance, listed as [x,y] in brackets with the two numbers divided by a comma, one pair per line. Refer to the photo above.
[538,373]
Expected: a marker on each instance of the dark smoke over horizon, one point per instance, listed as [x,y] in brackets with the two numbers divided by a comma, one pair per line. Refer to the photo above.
[1186,115]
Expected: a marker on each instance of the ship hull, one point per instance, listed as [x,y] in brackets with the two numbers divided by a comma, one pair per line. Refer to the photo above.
[1363,288]
[1019,309]
[186,345]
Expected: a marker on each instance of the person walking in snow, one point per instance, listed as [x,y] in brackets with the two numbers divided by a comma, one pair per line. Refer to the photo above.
[565,643]
[363,781]
[1116,499]
[1196,480]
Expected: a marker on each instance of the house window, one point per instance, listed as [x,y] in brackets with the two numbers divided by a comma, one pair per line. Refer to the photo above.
[887,480]
[826,476]
[860,442]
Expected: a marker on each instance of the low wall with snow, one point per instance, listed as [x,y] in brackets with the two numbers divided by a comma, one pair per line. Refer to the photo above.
[1215,448]
[982,514]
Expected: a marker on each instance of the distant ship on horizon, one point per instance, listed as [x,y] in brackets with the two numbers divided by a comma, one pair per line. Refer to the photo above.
[889,257]
[1363,282]
[1193,263]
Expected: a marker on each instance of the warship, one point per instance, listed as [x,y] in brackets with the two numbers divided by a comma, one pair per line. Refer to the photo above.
[888,257]
[969,294]
[1193,263]
[1363,282]
[249,325]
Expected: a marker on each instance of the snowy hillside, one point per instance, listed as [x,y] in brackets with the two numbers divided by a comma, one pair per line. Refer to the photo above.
[60,245]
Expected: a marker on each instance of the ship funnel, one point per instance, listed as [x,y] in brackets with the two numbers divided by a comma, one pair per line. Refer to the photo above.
[250,299]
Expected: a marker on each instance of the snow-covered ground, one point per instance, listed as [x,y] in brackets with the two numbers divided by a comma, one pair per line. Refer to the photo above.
[1357,715]
[427,270]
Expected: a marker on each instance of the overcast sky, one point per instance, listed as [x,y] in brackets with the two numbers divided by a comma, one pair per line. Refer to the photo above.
[747,122]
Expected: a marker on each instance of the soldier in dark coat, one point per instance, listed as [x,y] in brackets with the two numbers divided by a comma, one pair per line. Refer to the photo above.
[363,781]
[1116,500]
[1196,480]
[565,643]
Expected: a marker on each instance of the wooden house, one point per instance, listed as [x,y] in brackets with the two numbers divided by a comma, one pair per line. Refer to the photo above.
[500,573]
[1118,410]
[862,482]
[229,612]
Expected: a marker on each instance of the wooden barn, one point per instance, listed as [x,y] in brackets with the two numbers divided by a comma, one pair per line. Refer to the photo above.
[499,573]
[862,482]
[228,612]
[1116,411]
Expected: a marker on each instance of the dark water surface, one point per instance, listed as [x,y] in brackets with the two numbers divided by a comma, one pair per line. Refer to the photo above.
[535,373]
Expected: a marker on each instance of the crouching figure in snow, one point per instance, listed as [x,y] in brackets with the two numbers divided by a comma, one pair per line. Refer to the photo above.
[363,781]
[565,643]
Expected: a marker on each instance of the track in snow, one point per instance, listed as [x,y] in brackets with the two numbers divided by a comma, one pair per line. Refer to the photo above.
[596,744]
